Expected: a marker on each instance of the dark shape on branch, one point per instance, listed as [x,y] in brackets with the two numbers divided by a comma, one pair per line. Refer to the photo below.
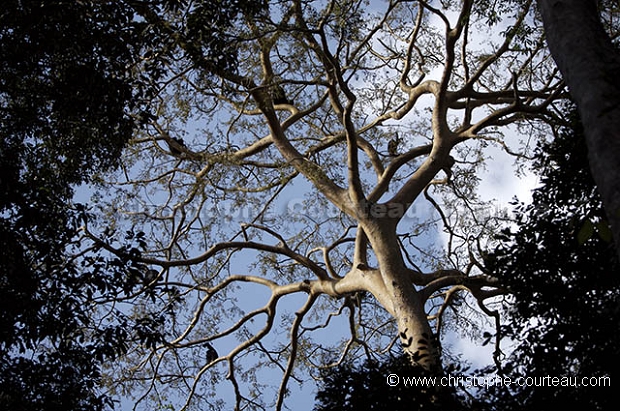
[448,167]
[393,146]
[278,95]
[212,355]
[177,146]
[362,266]
[150,276]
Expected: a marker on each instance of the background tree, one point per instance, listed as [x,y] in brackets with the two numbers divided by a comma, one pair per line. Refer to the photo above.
[69,102]
[583,49]
[65,95]
[561,266]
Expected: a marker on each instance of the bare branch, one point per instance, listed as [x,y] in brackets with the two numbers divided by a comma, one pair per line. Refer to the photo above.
[299,316]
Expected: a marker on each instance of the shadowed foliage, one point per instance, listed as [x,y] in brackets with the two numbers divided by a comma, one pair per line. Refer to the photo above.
[365,387]
[561,266]
[66,95]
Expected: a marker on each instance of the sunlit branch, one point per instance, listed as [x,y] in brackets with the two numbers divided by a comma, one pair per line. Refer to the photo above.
[299,317]
[344,238]
[477,282]
[387,176]
[452,36]
[327,321]
[448,298]
[152,383]
[411,47]
[490,60]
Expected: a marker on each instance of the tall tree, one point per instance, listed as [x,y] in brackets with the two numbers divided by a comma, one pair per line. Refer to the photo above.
[589,63]
[293,176]
[74,84]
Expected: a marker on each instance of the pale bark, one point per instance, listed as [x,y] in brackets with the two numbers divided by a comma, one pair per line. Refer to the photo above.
[590,65]
[405,302]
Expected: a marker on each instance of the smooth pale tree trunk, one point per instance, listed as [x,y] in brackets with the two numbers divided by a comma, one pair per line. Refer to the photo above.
[405,303]
[590,65]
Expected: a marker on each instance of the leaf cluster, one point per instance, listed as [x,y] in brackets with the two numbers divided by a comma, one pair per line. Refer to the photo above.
[66,92]
[208,33]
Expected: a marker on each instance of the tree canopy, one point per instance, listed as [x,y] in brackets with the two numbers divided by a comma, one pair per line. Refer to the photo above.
[275,187]
[70,100]
[65,101]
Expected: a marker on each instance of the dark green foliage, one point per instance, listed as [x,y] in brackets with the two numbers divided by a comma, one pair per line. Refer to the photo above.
[365,387]
[75,81]
[203,31]
[65,99]
[65,86]
[208,40]
[566,283]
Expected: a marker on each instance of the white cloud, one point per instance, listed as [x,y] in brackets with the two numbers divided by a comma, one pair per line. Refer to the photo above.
[501,182]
